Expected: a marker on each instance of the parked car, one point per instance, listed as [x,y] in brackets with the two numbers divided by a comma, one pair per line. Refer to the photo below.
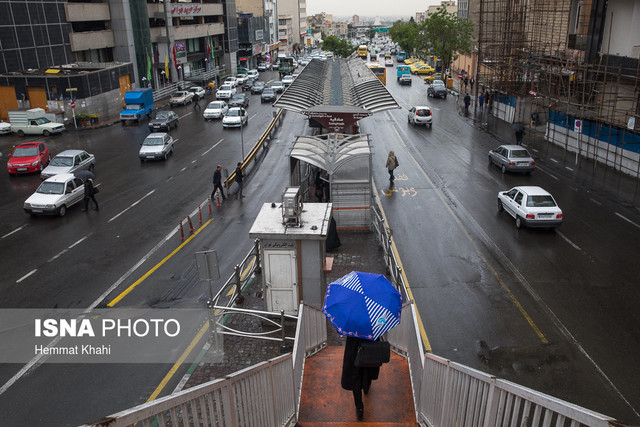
[55,195]
[420,116]
[268,95]
[287,80]
[28,157]
[215,110]
[248,84]
[197,91]
[235,117]
[531,207]
[423,69]
[239,100]
[253,74]
[164,120]
[405,79]
[264,66]
[158,145]
[257,87]
[437,90]
[225,91]
[278,86]
[231,81]
[69,161]
[512,158]
[431,78]
[182,97]
[5,128]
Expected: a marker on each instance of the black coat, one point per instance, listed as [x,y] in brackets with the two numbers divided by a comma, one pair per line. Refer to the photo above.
[89,190]
[350,373]
[217,177]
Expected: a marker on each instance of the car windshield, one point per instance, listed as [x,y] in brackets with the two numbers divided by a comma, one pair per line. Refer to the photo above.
[153,141]
[162,115]
[194,89]
[134,107]
[177,94]
[225,87]
[62,161]
[267,91]
[276,84]
[542,201]
[25,152]
[215,105]
[520,154]
[51,188]
[235,112]
[238,97]
[42,121]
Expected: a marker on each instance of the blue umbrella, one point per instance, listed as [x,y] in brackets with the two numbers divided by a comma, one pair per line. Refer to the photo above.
[362,305]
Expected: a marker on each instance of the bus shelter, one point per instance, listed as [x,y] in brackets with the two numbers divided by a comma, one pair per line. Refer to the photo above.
[342,162]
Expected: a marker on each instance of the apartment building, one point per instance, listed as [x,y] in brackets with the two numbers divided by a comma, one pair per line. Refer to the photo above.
[257,32]
[292,24]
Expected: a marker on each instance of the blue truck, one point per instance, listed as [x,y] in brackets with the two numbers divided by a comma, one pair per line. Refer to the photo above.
[401,57]
[137,103]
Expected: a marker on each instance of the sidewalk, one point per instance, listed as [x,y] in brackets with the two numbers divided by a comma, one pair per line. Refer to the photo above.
[359,251]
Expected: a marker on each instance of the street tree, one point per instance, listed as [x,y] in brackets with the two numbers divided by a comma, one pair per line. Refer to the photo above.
[339,47]
[405,34]
[446,36]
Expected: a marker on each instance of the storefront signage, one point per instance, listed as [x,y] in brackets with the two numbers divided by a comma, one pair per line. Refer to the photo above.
[259,34]
[186,10]
[334,121]
[180,51]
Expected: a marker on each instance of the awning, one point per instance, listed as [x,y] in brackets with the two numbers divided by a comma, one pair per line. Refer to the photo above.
[331,151]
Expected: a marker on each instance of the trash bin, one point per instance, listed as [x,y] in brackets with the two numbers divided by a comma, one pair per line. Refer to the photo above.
[93,119]
[449,83]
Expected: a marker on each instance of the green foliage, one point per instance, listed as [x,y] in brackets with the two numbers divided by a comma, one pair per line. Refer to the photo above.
[339,47]
[405,34]
[445,35]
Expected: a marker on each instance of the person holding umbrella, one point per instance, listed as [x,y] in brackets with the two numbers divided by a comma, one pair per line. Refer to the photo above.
[89,190]
[362,307]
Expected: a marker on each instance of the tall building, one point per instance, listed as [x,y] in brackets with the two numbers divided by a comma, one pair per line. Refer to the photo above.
[256,32]
[292,24]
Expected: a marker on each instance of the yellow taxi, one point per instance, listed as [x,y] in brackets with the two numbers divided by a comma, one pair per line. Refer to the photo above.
[415,65]
[423,69]
[433,76]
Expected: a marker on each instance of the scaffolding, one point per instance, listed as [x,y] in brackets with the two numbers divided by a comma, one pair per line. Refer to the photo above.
[535,57]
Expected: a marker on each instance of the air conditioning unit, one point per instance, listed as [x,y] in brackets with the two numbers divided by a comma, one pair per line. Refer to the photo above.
[292,206]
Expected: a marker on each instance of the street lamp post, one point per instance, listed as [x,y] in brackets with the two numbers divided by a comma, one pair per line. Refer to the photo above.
[163,77]
[144,82]
[242,134]
[180,75]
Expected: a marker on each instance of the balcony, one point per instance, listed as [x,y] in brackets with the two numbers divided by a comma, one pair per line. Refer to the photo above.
[78,12]
[87,40]
[188,31]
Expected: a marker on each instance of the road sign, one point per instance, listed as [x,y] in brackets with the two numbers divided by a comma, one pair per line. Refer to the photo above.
[73,104]
[577,126]
[72,89]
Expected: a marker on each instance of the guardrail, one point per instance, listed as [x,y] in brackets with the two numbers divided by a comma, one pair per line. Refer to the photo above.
[266,136]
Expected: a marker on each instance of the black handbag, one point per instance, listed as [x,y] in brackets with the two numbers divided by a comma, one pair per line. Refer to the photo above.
[372,354]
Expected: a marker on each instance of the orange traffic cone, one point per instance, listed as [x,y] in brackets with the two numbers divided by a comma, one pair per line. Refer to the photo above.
[218,198]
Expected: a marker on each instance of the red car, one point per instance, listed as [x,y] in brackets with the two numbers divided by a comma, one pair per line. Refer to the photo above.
[28,157]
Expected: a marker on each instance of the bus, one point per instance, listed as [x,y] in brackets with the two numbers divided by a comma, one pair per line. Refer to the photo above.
[401,57]
[380,71]
[363,51]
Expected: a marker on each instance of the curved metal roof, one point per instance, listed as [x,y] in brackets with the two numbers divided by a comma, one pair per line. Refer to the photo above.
[347,82]
[330,151]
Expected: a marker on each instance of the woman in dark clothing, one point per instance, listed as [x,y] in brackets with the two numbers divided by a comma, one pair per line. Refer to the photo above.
[354,378]
[89,194]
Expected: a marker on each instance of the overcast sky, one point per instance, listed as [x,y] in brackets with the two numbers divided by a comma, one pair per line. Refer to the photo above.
[369,7]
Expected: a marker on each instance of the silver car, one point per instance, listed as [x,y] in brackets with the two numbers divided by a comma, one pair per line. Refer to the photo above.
[215,110]
[181,97]
[69,161]
[512,158]
[55,195]
[157,145]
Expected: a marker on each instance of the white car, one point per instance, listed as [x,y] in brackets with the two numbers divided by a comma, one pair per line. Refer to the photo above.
[225,91]
[215,110]
[5,128]
[69,161]
[287,80]
[253,74]
[157,145]
[241,78]
[420,115]
[531,206]
[235,117]
[55,195]
[197,91]
[231,81]
[264,66]
[181,97]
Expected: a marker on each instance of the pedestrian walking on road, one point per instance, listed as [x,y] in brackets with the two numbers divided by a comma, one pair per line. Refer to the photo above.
[467,102]
[519,134]
[356,379]
[239,177]
[196,103]
[90,194]
[392,163]
[217,182]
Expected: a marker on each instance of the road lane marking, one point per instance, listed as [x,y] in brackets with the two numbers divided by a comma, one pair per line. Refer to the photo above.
[80,241]
[179,362]
[504,286]
[158,265]
[14,231]
[133,204]
[568,241]
[553,160]
[27,275]
[627,219]
[252,117]
[64,251]
[216,144]
[183,169]
[596,202]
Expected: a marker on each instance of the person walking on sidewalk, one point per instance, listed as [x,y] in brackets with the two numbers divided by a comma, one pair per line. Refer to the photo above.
[480,101]
[217,182]
[392,163]
[467,102]
[89,194]
[239,177]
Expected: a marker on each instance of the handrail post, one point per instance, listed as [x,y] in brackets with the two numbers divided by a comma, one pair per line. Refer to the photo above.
[216,339]
[239,297]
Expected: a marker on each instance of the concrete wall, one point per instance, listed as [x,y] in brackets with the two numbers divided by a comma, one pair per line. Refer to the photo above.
[106,105]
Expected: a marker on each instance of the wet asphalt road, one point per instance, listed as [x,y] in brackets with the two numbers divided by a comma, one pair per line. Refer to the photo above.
[558,307]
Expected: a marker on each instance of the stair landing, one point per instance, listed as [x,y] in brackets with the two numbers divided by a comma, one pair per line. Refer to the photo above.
[325,403]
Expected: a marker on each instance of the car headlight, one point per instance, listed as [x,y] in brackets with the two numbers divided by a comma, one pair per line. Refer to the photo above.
[27,205]
[35,163]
